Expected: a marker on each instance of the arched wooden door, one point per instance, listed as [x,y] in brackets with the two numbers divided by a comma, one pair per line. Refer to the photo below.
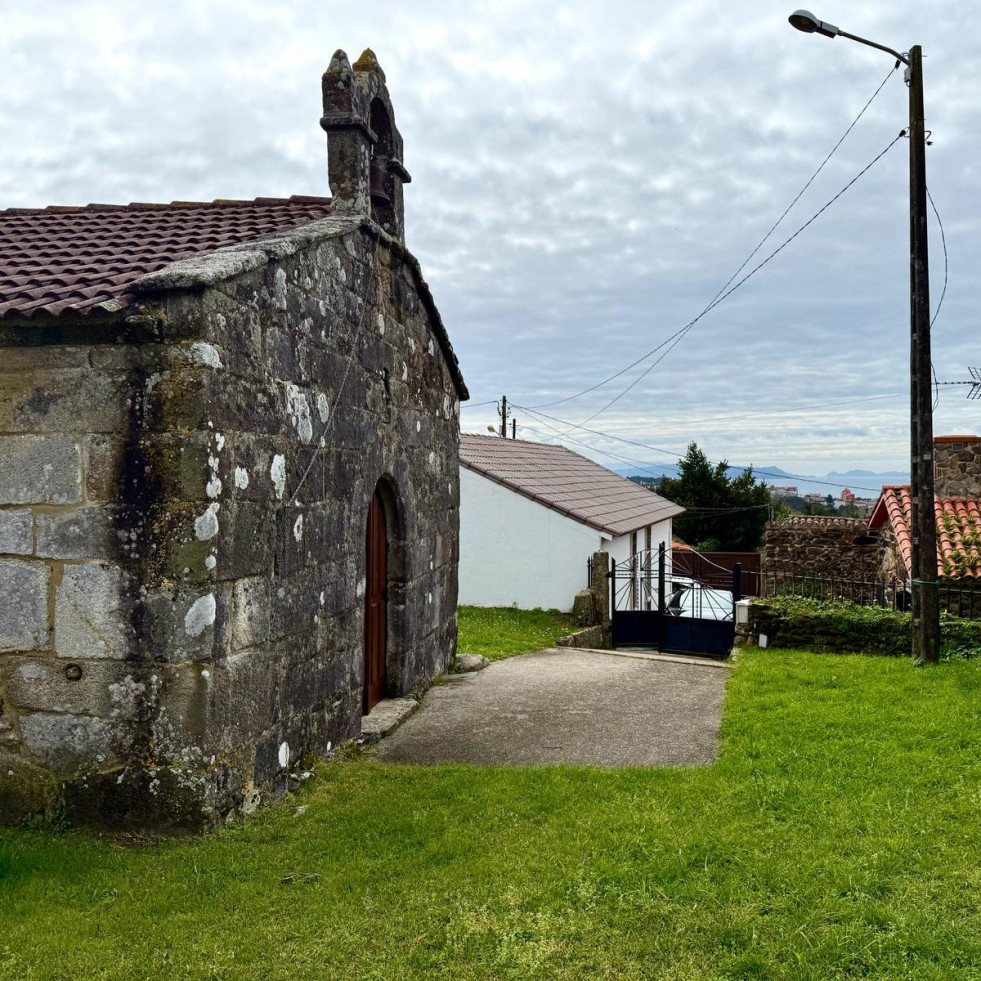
[375,605]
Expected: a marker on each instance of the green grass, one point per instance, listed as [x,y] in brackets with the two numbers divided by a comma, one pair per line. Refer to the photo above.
[502,631]
[838,836]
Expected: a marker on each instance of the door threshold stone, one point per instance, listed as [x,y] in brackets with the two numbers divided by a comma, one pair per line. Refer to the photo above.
[385,718]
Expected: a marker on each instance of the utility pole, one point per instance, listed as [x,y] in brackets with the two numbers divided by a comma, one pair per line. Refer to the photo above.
[514,429]
[504,416]
[926,588]
[923,562]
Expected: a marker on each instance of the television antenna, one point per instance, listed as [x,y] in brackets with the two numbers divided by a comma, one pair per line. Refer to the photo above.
[974,383]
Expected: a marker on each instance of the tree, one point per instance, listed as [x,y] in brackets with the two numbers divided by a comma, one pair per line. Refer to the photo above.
[787,507]
[726,513]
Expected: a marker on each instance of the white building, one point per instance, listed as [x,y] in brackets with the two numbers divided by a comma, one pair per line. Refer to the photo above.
[532,514]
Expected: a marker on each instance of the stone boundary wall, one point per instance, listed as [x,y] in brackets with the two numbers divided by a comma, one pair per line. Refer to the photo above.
[820,546]
[595,637]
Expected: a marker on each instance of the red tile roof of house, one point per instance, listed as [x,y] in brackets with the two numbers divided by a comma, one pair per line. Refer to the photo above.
[78,260]
[565,482]
[958,530]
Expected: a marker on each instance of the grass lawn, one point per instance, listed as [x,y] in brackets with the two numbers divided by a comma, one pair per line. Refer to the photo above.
[501,631]
[837,837]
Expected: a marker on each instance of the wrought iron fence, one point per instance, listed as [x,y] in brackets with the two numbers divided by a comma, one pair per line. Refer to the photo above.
[637,578]
[956,598]
[643,583]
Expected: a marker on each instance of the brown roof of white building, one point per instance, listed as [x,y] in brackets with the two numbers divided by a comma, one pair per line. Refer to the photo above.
[565,482]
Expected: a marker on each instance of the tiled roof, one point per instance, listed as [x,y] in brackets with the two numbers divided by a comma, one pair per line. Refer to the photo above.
[958,530]
[565,482]
[75,260]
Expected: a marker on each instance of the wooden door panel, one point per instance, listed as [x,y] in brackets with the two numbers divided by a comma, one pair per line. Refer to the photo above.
[376,605]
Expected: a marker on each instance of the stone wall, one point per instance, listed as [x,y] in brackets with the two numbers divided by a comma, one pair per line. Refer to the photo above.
[819,546]
[71,692]
[891,564]
[957,466]
[182,517]
[596,637]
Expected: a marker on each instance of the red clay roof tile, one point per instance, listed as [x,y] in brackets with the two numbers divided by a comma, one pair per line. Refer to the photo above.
[958,530]
[60,260]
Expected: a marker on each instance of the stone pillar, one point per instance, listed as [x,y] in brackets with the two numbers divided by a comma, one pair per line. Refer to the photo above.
[957,466]
[349,140]
[601,588]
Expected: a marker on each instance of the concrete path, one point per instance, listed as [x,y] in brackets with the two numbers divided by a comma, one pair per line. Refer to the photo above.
[568,706]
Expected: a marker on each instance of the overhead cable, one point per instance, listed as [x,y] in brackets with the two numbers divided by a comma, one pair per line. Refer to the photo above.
[745,262]
[671,453]
[732,289]
[943,293]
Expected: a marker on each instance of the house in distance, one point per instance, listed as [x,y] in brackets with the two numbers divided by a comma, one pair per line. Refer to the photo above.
[532,514]
[957,510]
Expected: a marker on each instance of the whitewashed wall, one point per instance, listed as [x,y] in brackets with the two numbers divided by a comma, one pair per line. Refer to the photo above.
[515,551]
[620,550]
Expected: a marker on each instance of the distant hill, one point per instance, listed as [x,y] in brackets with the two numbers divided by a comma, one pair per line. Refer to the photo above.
[865,483]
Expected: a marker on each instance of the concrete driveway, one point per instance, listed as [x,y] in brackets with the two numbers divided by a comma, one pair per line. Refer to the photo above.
[568,706]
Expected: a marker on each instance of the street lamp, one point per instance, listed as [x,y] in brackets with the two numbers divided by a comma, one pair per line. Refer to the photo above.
[925,587]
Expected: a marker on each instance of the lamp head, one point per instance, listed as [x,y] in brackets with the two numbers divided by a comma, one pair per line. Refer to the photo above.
[805,21]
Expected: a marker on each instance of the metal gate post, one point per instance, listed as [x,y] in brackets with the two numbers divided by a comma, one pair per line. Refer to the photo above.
[737,582]
[661,563]
[661,604]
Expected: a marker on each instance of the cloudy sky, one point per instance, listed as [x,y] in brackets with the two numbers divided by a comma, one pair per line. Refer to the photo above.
[585,178]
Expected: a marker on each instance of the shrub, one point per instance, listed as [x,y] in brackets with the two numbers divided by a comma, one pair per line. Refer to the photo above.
[841,627]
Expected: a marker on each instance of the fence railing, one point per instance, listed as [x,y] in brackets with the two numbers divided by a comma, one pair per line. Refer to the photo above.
[642,583]
[960,600]
[716,567]
[963,600]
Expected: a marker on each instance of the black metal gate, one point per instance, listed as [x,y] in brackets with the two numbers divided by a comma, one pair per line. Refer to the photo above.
[652,607]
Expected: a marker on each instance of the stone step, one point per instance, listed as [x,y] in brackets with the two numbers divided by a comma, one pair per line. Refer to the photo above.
[385,718]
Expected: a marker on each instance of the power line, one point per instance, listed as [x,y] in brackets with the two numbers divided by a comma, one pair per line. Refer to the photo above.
[745,262]
[943,293]
[810,180]
[656,449]
[752,415]
[578,442]
[713,512]
[813,405]
[695,516]
[724,296]
[943,242]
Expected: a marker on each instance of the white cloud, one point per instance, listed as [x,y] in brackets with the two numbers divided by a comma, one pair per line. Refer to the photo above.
[586,177]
